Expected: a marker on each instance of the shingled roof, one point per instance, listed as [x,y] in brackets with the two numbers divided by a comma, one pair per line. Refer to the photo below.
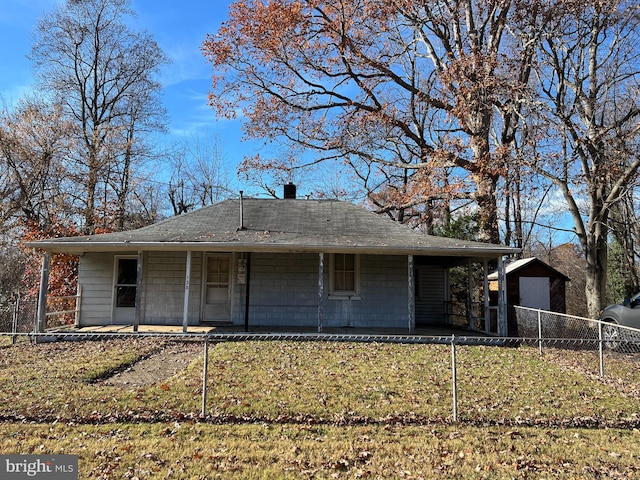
[277,226]
[524,262]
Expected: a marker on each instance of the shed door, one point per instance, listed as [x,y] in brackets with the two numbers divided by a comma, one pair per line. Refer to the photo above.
[535,292]
[217,288]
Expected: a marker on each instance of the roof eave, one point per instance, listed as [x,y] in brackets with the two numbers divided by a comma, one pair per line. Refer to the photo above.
[494,275]
[76,248]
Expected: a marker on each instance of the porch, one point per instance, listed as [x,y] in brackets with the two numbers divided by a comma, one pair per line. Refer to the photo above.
[397,294]
[422,331]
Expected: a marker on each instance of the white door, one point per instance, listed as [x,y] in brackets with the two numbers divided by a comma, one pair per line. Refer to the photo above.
[125,281]
[535,292]
[217,288]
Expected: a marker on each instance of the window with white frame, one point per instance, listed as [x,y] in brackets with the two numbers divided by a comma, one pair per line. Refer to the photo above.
[345,274]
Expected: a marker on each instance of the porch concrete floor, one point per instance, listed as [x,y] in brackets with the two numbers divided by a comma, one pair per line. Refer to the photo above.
[420,331]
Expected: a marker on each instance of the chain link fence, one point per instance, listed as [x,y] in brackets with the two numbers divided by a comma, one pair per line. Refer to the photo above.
[155,358]
[18,317]
[557,329]
[592,347]
[6,318]
[152,359]
[603,352]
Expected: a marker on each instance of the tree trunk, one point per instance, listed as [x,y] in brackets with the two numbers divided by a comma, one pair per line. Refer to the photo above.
[596,249]
[124,185]
[485,197]
[484,172]
[90,205]
[596,279]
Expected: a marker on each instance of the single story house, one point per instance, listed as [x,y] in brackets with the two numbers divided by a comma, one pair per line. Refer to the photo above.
[268,262]
[532,283]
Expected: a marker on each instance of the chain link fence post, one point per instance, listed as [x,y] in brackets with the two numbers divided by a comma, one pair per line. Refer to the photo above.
[205,369]
[540,332]
[600,349]
[14,322]
[454,378]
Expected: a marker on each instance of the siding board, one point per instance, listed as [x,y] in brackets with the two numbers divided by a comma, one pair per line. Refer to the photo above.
[430,299]
[283,291]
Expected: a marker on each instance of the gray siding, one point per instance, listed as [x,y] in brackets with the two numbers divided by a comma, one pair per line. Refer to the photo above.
[162,293]
[95,274]
[164,279]
[430,295]
[283,291]
[383,296]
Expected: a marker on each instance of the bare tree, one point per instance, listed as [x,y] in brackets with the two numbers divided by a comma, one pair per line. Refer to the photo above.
[34,144]
[35,141]
[102,73]
[589,74]
[144,117]
[625,227]
[199,177]
[419,98]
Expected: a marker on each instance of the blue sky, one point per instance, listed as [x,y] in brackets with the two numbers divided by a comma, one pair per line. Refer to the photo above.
[178,27]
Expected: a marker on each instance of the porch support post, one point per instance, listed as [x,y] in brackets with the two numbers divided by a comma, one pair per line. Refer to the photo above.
[138,308]
[447,296]
[320,291]
[42,294]
[487,311]
[247,291]
[187,283]
[411,294]
[470,294]
[502,298]
[78,305]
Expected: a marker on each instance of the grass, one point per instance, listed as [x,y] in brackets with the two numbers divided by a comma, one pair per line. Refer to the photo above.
[324,410]
[261,451]
[382,381]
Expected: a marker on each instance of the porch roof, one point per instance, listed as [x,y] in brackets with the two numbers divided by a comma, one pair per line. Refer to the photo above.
[272,225]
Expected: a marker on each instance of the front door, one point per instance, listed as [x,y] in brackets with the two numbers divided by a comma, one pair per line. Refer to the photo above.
[217,288]
[125,279]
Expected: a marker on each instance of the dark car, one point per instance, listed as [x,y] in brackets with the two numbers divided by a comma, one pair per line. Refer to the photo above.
[626,315]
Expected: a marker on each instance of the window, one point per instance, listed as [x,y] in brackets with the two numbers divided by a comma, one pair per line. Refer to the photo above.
[345,274]
[126,282]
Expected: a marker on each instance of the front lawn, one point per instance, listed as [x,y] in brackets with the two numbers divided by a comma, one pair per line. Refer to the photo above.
[321,410]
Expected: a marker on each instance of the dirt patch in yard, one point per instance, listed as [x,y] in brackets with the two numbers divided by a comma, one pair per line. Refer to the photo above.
[167,361]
